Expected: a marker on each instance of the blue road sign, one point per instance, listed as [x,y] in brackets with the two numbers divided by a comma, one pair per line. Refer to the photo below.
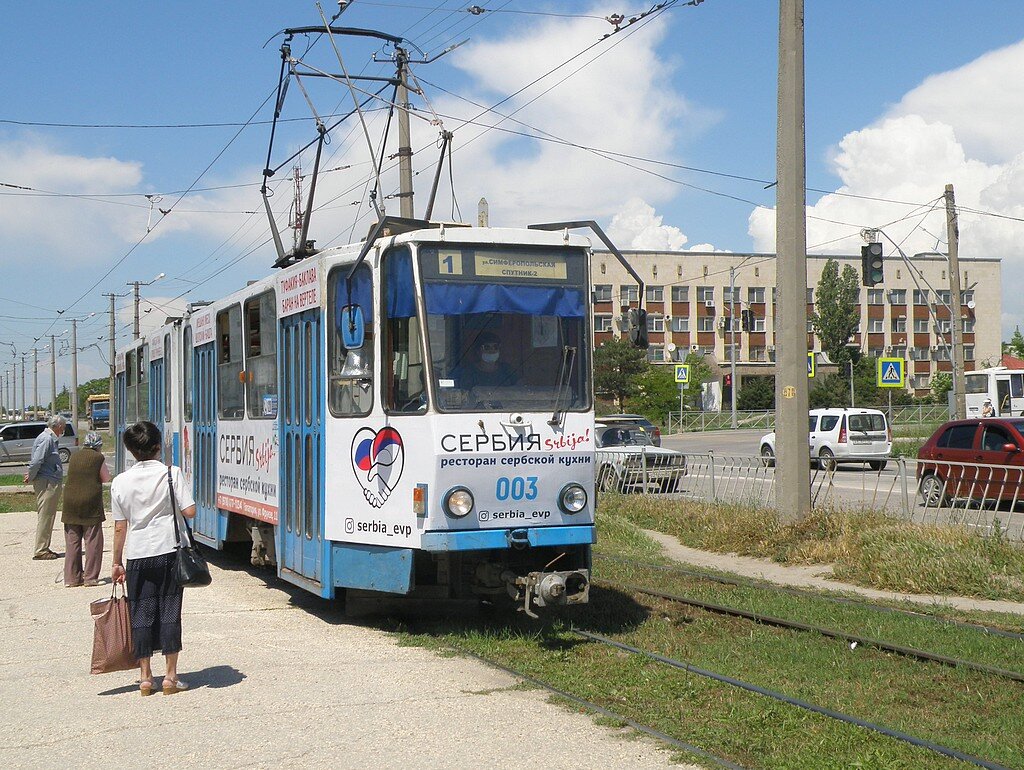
[892,373]
[683,373]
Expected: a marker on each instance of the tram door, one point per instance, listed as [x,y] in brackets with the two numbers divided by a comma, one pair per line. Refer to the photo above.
[205,443]
[156,402]
[301,414]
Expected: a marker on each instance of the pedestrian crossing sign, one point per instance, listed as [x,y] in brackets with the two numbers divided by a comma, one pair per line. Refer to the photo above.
[810,364]
[892,373]
[683,374]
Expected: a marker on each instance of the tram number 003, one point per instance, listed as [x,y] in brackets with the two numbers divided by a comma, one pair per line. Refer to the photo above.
[516,488]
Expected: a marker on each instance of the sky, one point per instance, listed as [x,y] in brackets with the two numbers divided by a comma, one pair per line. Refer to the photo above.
[133,137]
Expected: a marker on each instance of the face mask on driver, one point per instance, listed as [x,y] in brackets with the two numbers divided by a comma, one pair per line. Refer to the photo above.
[489,358]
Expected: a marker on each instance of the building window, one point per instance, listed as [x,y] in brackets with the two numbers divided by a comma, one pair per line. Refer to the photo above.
[875,352]
[759,353]
[898,297]
[602,323]
[755,295]
[919,354]
[680,293]
[921,325]
[899,351]
[876,296]
[968,326]
[655,354]
[729,352]
[629,295]
[261,356]
[945,326]
[680,323]
[919,381]
[810,296]
[706,350]
[655,323]
[706,294]
[966,296]
[706,323]
[655,293]
[735,295]
[920,296]
[940,354]
[899,325]
[874,326]
[943,297]
[230,394]
[602,292]
[758,324]
[968,352]
[810,326]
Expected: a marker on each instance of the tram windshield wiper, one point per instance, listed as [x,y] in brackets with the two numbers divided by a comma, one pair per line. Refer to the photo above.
[564,375]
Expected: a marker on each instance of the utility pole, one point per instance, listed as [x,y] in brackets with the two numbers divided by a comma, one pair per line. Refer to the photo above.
[404,142]
[110,386]
[732,344]
[53,374]
[35,383]
[74,373]
[953,236]
[136,285]
[793,488]
[24,400]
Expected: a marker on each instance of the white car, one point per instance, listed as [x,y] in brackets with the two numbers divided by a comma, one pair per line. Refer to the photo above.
[628,460]
[842,435]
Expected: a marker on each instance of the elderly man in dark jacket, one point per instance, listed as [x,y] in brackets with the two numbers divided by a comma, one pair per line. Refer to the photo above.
[47,476]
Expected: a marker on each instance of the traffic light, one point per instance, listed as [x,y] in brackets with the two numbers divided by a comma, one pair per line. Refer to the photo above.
[727,381]
[745,320]
[638,327]
[871,264]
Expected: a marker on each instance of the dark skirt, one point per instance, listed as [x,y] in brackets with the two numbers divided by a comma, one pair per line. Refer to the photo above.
[154,605]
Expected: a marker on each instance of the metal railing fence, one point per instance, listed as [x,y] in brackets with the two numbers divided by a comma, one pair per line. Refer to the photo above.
[676,422]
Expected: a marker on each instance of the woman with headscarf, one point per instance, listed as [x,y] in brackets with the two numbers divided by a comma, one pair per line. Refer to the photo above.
[83,513]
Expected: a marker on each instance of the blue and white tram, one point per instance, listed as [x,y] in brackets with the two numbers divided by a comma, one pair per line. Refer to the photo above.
[329,413]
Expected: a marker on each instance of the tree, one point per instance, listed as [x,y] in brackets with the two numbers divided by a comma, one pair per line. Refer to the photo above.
[756,393]
[616,366]
[657,393]
[942,383]
[1015,347]
[700,372]
[836,311]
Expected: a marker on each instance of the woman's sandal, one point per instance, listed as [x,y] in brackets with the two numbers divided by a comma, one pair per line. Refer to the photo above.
[145,687]
[172,686]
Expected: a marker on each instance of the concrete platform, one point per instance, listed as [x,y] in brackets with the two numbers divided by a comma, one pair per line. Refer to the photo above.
[279,679]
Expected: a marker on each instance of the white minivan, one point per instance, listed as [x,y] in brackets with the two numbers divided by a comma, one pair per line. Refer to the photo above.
[842,435]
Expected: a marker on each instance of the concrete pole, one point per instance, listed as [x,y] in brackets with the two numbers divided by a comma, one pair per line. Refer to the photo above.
[732,343]
[24,400]
[135,327]
[404,141]
[74,373]
[953,236]
[793,475]
[53,374]
[35,383]
[112,353]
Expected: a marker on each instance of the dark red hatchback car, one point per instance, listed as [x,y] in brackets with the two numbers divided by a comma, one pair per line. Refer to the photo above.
[980,459]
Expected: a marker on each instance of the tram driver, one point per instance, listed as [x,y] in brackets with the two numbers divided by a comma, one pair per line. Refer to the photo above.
[485,369]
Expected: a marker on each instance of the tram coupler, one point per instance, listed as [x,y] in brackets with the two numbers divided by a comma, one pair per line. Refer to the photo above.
[551,589]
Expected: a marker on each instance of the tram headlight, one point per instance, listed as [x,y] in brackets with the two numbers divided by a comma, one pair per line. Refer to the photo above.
[572,498]
[458,502]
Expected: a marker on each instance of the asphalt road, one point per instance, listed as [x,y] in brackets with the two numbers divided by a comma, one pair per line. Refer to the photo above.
[280,679]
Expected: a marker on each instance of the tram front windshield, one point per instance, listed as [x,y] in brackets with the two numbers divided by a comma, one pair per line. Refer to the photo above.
[507,328]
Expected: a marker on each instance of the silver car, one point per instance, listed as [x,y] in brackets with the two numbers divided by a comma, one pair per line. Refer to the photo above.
[17,438]
[628,461]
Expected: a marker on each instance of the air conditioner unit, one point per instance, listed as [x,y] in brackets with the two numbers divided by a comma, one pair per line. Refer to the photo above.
[709,303]
[694,348]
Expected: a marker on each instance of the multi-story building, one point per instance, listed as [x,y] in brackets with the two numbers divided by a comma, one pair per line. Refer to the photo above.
[691,306]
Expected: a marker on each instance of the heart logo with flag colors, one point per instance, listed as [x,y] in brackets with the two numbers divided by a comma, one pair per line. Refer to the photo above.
[378,458]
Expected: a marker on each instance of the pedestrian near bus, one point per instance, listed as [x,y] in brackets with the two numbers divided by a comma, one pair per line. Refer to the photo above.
[82,513]
[144,552]
[46,473]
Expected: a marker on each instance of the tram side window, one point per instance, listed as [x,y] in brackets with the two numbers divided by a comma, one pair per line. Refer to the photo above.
[261,355]
[230,394]
[186,372]
[131,389]
[350,371]
[167,378]
[143,380]
[405,376]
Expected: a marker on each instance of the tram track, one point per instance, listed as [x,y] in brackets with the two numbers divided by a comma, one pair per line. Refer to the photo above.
[792,591]
[832,633]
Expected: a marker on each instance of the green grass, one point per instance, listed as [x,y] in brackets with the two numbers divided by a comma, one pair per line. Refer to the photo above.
[971,712]
[26,501]
[11,480]
[864,548]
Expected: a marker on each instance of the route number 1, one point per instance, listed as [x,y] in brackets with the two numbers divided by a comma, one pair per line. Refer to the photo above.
[449,263]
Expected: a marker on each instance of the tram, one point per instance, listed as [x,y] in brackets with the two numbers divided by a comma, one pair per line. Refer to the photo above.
[329,414]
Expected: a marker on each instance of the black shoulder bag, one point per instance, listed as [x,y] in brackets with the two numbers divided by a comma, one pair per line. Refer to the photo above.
[190,568]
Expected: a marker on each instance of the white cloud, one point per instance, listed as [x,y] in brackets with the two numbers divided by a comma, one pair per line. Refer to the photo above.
[636,226]
[957,127]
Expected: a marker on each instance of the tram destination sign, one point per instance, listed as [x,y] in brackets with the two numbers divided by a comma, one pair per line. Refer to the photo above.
[502,265]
